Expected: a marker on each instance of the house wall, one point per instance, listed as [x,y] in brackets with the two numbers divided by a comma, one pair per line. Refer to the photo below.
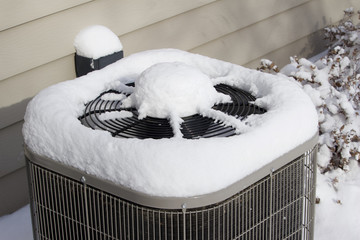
[36,47]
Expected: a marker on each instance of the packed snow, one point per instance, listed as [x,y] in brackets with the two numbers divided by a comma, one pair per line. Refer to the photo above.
[96,41]
[115,114]
[173,88]
[175,166]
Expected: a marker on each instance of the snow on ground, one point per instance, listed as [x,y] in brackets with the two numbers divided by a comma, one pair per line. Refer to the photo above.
[16,226]
[338,213]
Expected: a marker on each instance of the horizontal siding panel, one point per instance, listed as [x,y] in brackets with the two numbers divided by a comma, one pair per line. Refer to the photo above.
[12,114]
[14,189]
[16,91]
[237,47]
[11,148]
[305,47]
[184,31]
[47,39]
[201,25]
[266,36]
[16,12]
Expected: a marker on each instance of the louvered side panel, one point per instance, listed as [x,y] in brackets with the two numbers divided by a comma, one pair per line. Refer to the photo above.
[279,206]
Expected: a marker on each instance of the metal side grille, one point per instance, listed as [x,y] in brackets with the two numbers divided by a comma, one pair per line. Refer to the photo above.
[279,206]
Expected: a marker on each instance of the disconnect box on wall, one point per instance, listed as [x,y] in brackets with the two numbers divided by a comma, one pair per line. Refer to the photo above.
[84,65]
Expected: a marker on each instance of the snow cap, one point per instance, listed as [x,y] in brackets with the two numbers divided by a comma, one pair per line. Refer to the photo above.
[173,88]
[96,41]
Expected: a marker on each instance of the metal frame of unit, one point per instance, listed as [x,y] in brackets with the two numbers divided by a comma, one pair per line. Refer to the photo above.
[275,202]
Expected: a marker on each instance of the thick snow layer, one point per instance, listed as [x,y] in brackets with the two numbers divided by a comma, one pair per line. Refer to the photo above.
[96,41]
[115,114]
[167,89]
[175,166]
[173,90]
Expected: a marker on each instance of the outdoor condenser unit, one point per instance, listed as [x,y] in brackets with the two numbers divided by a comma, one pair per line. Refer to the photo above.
[274,202]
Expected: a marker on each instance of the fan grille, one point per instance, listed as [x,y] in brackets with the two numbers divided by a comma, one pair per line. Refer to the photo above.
[194,126]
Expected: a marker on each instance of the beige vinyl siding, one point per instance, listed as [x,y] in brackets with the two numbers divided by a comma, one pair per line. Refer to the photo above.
[257,40]
[49,38]
[16,12]
[16,91]
[14,191]
[184,31]
[11,136]
[200,26]
[36,46]
[303,47]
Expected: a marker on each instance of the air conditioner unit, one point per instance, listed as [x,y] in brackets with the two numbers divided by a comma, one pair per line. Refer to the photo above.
[92,197]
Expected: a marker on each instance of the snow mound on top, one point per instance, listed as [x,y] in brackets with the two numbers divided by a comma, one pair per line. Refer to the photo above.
[168,89]
[96,41]
[169,167]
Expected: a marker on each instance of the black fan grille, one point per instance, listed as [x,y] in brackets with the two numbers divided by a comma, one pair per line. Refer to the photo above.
[194,126]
